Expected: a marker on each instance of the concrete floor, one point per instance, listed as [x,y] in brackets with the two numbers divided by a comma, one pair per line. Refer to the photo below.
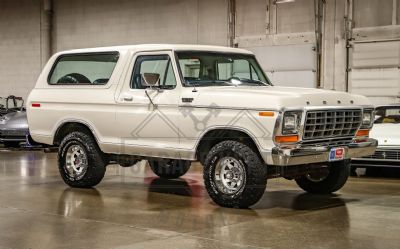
[132,208]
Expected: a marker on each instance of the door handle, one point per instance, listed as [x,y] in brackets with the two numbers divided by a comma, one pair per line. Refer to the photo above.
[187,100]
[128,98]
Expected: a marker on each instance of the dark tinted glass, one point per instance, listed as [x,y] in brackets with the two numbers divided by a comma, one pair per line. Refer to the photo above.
[95,69]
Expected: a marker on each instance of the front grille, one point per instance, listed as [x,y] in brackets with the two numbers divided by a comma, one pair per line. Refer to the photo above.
[385,154]
[331,124]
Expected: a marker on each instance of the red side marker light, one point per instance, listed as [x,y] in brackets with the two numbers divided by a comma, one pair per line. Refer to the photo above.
[35,105]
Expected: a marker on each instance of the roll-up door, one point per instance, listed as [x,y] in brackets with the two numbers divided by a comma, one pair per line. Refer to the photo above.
[375,70]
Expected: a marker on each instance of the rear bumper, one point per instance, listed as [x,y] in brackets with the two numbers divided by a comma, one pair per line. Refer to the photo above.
[298,156]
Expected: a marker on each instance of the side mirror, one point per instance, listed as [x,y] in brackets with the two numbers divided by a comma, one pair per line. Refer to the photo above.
[150,79]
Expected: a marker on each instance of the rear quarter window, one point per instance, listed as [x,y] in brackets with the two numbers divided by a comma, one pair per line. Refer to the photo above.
[83,69]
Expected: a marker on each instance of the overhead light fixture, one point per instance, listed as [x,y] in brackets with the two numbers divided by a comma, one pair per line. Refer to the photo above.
[284,1]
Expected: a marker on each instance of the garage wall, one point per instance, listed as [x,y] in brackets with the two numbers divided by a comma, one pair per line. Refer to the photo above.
[372,13]
[334,51]
[375,70]
[282,35]
[374,50]
[19,46]
[91,23]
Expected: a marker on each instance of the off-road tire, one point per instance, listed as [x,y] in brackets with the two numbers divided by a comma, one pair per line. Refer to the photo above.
[255,170]
[96,160]
[169,168]
[338,174]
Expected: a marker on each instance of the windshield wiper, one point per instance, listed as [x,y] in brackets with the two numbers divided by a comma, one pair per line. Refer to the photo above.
[252,81]
[209,83]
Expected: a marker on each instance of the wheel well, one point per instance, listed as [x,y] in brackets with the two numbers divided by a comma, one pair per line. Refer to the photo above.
[69,127]
[211,138]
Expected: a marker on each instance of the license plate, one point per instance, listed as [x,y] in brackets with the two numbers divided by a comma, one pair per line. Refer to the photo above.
[336,154]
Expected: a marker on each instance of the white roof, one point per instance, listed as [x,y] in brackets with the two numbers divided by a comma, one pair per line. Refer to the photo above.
[152,47]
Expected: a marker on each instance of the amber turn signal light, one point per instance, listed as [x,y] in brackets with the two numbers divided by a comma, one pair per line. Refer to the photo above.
[266,114]
[362,133]
[287,139]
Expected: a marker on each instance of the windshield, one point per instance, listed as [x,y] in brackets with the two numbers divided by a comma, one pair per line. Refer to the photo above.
[387,115]
[219,69]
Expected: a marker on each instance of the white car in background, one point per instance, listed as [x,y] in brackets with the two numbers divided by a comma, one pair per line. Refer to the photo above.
[387,131]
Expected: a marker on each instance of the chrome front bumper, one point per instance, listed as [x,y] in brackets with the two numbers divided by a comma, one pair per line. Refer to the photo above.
[298,156]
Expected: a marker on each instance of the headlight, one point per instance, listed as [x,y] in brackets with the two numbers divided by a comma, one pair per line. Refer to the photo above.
[291,122]
[367,119]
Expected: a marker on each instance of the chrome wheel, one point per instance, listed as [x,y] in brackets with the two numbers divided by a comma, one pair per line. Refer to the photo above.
[230,175]
[76,163]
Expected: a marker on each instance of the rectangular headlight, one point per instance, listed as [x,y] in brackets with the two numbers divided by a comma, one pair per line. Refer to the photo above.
[291,122]
[367,119]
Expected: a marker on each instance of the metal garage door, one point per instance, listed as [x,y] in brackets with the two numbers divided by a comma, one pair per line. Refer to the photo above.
[375,71]
[289,65]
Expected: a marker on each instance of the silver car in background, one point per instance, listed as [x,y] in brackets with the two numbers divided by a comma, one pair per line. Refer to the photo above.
[13,122]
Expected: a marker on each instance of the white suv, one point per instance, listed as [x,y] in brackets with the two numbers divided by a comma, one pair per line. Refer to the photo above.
[175,104]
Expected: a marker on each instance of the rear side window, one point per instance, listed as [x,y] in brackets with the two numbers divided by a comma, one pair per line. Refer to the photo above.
[83,69]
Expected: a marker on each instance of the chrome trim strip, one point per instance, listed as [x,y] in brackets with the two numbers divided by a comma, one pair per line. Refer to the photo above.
[228,108]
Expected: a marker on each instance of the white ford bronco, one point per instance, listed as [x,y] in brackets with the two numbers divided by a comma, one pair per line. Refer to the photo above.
[175,104]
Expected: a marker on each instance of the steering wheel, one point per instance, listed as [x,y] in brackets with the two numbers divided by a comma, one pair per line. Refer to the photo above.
[74,78]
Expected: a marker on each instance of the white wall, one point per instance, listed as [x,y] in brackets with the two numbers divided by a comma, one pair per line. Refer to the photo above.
[19,46]
[91,23]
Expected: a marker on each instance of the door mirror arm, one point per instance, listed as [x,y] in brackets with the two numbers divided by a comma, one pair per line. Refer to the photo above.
[151,101]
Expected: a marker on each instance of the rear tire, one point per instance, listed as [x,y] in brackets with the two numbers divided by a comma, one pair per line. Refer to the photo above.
[338,174]
[169,168]
[234,175]
[80,161]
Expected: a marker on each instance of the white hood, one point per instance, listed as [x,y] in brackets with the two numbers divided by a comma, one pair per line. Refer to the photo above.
[272,97]
[386,134]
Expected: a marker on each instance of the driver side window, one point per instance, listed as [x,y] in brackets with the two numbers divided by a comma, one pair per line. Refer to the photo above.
[155,64]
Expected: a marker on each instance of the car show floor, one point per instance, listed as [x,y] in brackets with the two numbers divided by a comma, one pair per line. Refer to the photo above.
[132,208]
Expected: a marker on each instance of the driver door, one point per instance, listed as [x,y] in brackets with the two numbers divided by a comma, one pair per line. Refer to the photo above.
[146,116]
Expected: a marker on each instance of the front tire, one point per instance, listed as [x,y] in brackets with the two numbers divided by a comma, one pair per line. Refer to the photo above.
[169,168]
[234,175]
[333,181]
[80,161]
